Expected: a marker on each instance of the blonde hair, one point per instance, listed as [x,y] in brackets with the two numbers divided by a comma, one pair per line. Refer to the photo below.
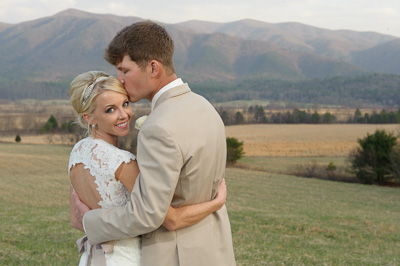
[78,89]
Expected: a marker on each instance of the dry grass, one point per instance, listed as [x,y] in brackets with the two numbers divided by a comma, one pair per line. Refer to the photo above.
[59,139]
[270,139]
[302,140]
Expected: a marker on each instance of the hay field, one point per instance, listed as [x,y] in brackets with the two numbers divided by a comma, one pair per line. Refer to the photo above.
[303,140]
[58,139]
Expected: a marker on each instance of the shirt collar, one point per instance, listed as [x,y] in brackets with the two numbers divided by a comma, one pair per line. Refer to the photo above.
[167,87]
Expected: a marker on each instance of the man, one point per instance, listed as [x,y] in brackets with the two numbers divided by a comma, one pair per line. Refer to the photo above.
[181,155]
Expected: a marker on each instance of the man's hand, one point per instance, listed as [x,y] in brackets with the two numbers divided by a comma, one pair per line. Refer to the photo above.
[220,197]
[81,209]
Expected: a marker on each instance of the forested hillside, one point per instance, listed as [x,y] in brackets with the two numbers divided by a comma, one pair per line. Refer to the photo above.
[242,60]
[369,90]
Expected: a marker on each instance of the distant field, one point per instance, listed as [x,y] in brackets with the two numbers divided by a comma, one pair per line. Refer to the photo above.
[271,139]
[303,140]
[276,219]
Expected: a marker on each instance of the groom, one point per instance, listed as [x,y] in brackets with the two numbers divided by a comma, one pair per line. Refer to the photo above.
[181,155]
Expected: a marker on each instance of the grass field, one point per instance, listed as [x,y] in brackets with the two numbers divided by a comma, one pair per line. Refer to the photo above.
[34,206]
[276,219]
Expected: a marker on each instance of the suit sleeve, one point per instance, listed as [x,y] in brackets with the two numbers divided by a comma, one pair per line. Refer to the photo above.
[160,161]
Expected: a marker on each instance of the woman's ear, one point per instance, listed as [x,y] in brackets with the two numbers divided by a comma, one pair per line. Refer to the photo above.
[88,118]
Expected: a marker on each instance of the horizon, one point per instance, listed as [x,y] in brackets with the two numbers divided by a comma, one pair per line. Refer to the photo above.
[357,15]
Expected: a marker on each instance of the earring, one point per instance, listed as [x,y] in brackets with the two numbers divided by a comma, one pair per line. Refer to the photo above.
[93,126]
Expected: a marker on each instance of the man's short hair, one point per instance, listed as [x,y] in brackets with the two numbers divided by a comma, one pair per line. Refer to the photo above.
[142,41]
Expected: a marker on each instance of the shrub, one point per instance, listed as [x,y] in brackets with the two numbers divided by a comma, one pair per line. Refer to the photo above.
[331,167]
[372,160]
[395,162]
[330,172]
[234,150]
[17,138]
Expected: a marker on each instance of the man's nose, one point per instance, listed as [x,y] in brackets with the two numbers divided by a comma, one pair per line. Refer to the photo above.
[119,77]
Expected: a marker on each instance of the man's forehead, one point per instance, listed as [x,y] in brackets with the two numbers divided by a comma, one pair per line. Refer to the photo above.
[126,61]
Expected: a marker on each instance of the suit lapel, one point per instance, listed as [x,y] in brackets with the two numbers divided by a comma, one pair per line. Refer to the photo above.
[174,92]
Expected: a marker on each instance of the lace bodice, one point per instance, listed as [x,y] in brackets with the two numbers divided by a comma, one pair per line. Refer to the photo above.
[103,159]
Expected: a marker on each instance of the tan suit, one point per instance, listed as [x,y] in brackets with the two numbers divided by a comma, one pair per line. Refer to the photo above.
[181,155]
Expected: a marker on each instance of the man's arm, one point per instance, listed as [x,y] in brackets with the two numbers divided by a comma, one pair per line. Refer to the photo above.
[76,221]
[160,162]
[182,217]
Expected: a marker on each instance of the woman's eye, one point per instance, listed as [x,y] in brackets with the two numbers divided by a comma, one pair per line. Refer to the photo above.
[109,110]
[126,104]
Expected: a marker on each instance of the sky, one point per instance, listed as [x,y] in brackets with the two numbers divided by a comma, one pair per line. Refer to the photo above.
[381,16]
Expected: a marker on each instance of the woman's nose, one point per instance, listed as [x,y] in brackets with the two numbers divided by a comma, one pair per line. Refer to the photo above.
[123,114]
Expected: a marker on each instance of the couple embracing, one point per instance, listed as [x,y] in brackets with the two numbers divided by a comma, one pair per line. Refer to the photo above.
[165,207]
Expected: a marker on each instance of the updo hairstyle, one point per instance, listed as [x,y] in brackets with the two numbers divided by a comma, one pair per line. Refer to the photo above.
[79,87]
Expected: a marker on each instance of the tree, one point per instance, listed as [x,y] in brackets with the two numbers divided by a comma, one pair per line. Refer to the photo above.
[234,150]
[17,138]
[239,119]
[225,117]
[371,161]
[299,116]
[358,116]
[315,118]
[259,114]
[251,109]
[328,118]
[51,125]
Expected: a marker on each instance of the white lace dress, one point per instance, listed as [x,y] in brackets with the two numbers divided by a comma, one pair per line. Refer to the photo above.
[103,159]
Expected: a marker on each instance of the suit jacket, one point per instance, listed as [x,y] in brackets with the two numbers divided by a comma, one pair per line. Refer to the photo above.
[181,154]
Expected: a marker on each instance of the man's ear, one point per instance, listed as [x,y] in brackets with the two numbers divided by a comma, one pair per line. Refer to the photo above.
[155,68]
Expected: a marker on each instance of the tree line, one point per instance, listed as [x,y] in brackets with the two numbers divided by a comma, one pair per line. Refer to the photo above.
[367,90]
[257,114]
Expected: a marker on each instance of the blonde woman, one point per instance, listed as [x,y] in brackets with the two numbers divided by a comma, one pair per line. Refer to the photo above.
[103,175]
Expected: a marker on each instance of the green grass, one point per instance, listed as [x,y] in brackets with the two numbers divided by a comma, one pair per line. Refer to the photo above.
[34,206]
[276,219]
[284,165]
[284,220]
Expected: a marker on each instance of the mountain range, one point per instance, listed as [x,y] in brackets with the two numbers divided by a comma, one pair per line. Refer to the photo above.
[53,50]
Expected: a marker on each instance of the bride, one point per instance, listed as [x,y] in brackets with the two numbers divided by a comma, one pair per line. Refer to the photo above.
[103,175]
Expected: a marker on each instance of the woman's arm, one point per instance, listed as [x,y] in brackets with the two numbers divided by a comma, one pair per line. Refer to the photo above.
[178,218]
[127,174]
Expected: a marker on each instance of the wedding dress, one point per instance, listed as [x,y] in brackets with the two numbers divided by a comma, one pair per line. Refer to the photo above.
[102,160]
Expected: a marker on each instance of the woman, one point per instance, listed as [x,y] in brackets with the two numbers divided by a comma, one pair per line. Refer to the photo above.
[103,175]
